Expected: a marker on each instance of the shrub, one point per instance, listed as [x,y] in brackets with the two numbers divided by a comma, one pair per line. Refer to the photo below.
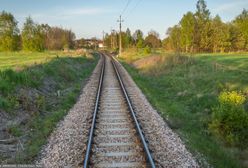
[147,50]
[15,130]
[3,103]
[230,120]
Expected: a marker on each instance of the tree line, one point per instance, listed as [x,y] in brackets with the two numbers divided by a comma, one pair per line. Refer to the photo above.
[137,39]
[33,36]
[199,32]
[196,32]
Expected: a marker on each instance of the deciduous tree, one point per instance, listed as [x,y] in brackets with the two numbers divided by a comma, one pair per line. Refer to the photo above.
[9,39]
[188,28]
[33,38]
[153,40]
[241,22]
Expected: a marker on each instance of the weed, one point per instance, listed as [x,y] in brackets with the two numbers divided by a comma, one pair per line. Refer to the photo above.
[15,131]
[4,103]
[230,120]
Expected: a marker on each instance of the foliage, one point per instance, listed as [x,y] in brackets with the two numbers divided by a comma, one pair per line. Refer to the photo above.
[33,38]
[9,39]
[199,32]
[147,50]
[152,40]
[58,38]
[138,38]
[15,131]
[241,22]
[187,28]
[229,119]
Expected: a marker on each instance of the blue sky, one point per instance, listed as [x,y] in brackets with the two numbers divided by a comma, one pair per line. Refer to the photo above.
[88,18]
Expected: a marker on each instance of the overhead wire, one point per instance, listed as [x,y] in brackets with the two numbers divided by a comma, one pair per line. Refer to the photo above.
[133,9]
[124,10]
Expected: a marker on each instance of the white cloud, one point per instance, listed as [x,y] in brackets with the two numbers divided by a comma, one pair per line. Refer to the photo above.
[235,5]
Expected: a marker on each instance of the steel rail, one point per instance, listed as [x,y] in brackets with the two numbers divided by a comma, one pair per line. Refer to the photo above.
[88,149]
[148,154]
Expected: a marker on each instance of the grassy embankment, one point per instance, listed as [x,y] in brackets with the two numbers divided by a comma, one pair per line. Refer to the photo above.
[36,91]
[184,90]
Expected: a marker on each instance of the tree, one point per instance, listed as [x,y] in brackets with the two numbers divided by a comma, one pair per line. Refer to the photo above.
[202,26]
[219,35]
[241,22]
[128,38]
[237,38]
[188,28]
[153,40]
[9,39]
[68,39]
[175,38]
[33,38]
[166,43]
[57,38]
[138,38]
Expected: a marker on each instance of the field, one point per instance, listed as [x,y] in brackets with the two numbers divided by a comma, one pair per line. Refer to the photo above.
[17,60]
[184,89]
[36,91]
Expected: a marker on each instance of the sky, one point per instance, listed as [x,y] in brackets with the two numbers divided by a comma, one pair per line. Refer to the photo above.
[89,18]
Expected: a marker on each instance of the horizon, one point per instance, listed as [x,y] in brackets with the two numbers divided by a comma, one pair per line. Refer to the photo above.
[97,16]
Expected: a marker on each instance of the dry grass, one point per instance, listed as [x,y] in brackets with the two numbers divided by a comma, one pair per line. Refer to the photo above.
[159,64]
[184,89]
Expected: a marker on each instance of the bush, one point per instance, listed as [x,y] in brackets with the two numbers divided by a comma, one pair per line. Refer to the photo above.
[3,103]
[147,50]
[230,120]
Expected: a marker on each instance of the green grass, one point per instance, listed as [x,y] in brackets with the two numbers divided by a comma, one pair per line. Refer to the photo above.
[184,93]
[45,91]
[22,59]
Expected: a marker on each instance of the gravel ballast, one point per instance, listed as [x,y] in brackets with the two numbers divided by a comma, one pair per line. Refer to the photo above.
[68,141]
[166,146]
[67,144]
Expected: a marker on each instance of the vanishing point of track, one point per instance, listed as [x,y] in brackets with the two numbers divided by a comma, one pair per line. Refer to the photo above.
[115,137]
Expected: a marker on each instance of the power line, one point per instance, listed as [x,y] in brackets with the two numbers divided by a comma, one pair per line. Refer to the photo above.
[128,2]
[131,11]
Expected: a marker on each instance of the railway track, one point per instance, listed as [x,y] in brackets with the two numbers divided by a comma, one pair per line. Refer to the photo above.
[115,138]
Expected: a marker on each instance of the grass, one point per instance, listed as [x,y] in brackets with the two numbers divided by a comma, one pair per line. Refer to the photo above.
[22,59]
[184,90]
[44,91]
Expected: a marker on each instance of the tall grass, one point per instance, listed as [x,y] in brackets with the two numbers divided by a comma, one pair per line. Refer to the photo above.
[184,90]
[45,92]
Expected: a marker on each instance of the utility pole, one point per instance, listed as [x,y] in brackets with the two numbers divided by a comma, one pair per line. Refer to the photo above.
[113,39]
[103,34]
[120,46]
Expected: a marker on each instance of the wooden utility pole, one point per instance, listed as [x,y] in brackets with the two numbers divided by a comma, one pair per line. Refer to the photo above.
[120,45]
[111,38]
[103,36]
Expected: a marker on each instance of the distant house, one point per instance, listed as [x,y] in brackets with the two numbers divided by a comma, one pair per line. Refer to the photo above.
[100,45]
[88,43]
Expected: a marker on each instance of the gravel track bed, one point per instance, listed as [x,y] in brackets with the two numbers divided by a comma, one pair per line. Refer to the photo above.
[166,146]
[67,144]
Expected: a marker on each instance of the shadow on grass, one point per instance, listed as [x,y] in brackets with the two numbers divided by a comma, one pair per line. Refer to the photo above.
[35,99]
